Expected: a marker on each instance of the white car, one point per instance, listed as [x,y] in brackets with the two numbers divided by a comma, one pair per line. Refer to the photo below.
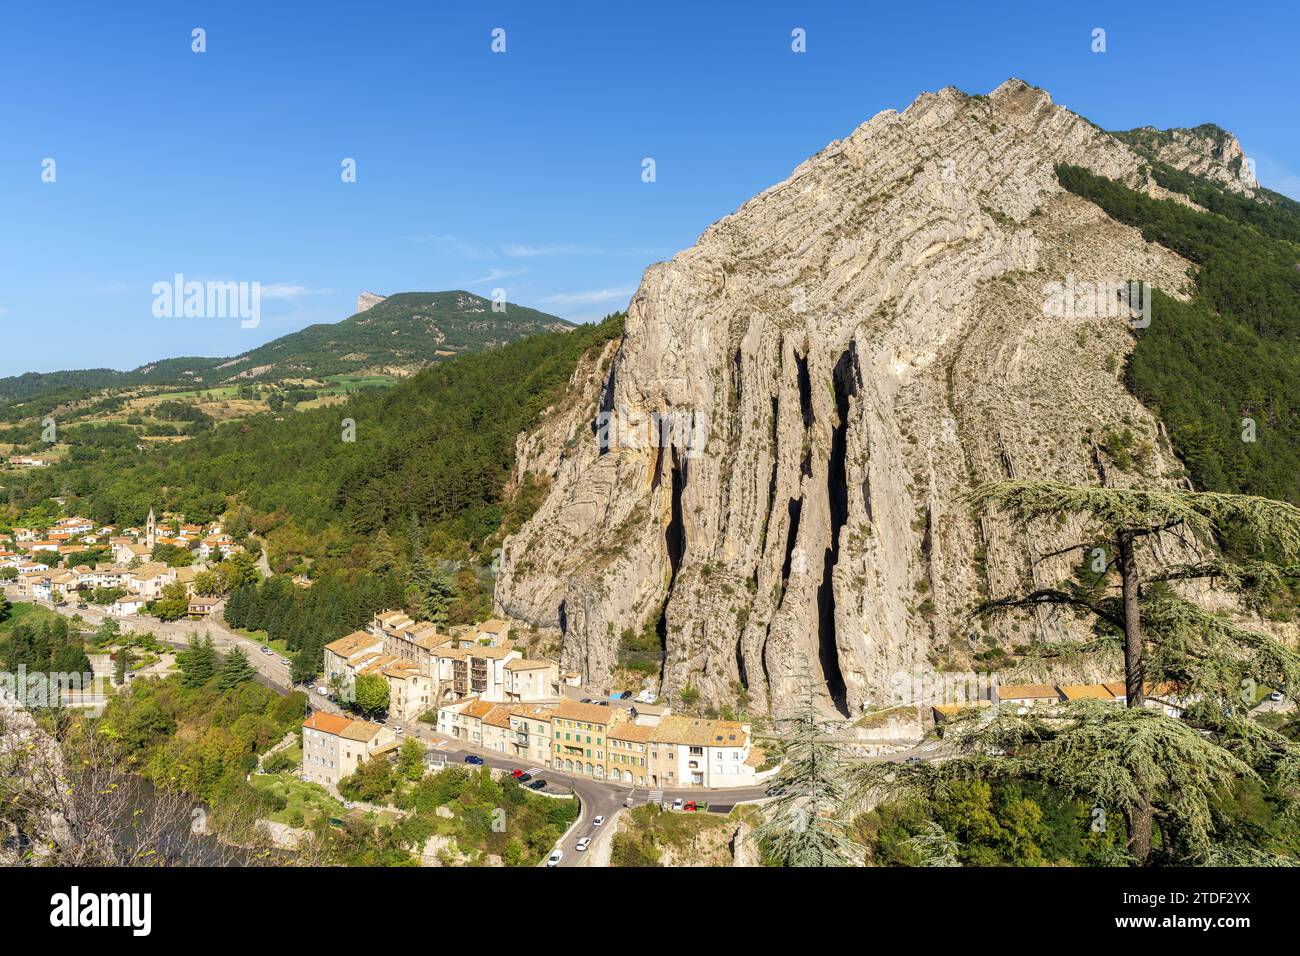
[678,803]
[555,858]
[598,821]
[583,844]
[398,730]
[1275,696]
[323,691]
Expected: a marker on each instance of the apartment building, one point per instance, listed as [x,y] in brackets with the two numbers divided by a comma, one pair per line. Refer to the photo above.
[344,656]
[412,640]
[579,735]
[695,752]
[463,720]
[333,746]
[526,679]
[530,727]
[148,580]
[629,752]
[410,690]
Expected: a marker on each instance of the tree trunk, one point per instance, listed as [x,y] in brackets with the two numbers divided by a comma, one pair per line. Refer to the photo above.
[1134,683]
[1140,820]
[1140,816]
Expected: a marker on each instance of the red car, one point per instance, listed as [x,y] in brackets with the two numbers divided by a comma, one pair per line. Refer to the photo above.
[516,773]
[690,807]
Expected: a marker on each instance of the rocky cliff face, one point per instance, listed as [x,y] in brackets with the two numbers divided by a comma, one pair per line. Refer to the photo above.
[1205,150]
[832,367]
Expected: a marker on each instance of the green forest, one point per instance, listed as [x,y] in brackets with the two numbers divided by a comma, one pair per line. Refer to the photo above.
[1231,355]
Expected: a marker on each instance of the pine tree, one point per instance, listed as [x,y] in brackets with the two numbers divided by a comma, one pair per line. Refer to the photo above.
[198,662]
[1152,767]
[805,823]
[121,665]
[428,592]
[235,670]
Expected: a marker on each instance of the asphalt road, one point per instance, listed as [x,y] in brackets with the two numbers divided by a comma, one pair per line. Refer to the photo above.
[274,672]
[596,797]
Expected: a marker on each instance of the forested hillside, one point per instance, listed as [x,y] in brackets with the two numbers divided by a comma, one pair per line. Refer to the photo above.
[1222,370]
[407,330]
[439,447]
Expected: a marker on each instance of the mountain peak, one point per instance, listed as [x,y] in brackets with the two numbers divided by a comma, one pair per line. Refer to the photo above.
[1207,150]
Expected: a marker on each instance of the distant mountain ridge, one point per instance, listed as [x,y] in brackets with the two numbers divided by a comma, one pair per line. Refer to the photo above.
[398,334]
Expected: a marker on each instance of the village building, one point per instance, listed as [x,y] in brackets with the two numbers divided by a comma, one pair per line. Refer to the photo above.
[334,746]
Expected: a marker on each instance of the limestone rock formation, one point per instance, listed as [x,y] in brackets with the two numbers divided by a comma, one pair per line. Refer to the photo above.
[1204,150]
[772,467]
[368,300]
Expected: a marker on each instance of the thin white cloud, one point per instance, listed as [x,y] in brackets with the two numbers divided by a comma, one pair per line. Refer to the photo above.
[519,250]
[524,250]
[495,275]
[455,246]
[286,290]
[587,298]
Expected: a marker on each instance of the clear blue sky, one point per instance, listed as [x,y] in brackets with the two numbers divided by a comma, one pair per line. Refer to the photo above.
[521,170]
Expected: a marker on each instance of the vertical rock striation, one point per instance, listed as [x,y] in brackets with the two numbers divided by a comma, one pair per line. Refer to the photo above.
[859,345]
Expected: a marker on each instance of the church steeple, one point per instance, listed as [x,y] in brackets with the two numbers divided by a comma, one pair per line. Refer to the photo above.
[151,531]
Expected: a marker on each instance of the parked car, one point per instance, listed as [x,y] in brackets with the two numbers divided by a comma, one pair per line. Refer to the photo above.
[598,821]
[323,691]
[1275,696]
[398,730]
[585,700]
[285,662]
[678,803]
[914,759]
[525,777]
[517,773]
[82,605]
[690,807]
[582,844]
[265,649]
[537,785]
[471,758]
[555,858]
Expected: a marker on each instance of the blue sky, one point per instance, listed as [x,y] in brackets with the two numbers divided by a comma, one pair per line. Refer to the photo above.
[519,170]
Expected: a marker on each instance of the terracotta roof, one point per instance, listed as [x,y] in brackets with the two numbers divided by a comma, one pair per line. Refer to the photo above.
[533,711]
[361,730]
[478,709]
[591,713]
[639,733]
[1027,691]
[329,723]
[699,732]
[354,643]
[498,716]
[1086,692]
[526,664]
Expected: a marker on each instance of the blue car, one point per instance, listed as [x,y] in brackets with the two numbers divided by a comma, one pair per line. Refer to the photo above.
[470,758]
